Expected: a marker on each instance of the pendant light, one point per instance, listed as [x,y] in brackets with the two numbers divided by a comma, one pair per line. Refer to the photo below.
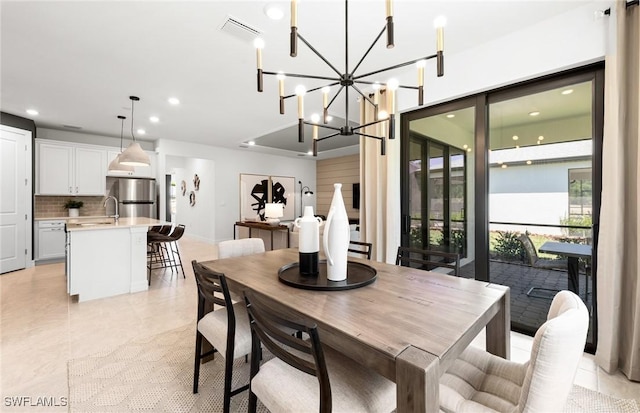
[115,166]
[134,155]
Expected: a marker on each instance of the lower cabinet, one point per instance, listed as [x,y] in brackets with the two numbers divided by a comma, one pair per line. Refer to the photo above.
[50,240]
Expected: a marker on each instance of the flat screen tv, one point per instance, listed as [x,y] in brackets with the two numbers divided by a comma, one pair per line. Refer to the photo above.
[356,196]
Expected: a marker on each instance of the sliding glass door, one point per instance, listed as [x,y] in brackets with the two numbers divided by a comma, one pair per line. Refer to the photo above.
[503,178]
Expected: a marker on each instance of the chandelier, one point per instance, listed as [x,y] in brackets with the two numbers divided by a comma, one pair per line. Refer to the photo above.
[349,79]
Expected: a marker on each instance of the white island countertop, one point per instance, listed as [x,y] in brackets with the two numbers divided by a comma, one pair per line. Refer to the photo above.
[79,224]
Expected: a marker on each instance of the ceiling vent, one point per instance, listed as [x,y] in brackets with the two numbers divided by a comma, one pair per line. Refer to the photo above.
[239,29]
[72,127]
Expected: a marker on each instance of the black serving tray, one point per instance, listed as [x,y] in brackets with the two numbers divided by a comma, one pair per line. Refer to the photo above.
[358,275]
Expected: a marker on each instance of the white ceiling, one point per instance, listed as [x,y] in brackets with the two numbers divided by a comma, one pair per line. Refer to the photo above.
[77,62]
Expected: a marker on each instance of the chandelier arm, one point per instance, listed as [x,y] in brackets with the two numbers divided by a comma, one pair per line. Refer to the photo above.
[433,56]
[335,96]
[318,54]
[368,136]
[368,124]
[311,90]
[328,136]
[322,126]
[368,50]
[303,76]
[363,95]
[381,139]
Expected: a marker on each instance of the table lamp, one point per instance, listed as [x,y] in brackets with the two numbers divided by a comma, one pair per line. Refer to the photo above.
[273,213]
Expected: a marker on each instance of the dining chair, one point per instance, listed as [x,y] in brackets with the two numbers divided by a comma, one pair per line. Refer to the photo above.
[240,247]
[304,375]
[360,248]
[428,259]
[479,381]
[226,329]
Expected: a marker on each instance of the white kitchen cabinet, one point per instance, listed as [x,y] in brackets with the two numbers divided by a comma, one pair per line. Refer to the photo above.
[65,169]
[50,240]
[139,171]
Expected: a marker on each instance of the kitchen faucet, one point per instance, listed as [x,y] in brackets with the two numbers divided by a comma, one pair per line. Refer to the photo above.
[115,201]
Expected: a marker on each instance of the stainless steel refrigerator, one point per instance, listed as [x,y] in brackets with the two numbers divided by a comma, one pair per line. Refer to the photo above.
[136,197]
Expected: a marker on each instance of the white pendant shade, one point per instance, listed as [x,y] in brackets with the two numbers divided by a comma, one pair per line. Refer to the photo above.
[134,156]
[116,167]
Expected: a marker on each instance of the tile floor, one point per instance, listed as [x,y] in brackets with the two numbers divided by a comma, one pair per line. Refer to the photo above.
[41,328]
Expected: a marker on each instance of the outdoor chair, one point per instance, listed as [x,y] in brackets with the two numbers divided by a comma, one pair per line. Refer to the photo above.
[428,259]
[481,382]
[306,376]
[543,263]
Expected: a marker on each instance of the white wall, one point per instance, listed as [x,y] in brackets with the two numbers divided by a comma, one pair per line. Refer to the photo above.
[227,165]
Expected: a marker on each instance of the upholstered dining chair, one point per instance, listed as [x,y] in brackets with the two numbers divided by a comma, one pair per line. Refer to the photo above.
[305,376]
[240,247]
[362,249]
[227,328]
[480,382]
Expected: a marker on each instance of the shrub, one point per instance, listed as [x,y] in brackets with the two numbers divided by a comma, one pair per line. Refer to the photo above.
[508,246]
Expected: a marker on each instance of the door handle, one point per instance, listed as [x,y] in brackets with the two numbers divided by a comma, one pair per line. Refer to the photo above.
[406,223]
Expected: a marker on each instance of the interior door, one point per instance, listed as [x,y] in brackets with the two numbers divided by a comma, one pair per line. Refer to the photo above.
[13,209]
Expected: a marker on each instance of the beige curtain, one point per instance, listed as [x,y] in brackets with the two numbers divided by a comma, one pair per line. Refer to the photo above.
[619,244]
[379,185]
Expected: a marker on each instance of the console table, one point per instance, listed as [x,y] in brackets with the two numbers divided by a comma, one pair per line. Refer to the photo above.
[263,226]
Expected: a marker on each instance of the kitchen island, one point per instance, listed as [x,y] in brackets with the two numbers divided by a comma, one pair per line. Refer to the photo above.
[107,258]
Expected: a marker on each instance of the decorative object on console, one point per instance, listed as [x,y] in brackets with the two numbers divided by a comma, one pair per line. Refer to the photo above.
[349,79]
[73,205]
[273,213]
[304,190]
[115,166]
[282,188]
[336,237]
[134,155]
[308,243]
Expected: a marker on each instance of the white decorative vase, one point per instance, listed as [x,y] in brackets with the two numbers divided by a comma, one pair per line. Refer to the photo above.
[336,237]
[74,212]
[308,241]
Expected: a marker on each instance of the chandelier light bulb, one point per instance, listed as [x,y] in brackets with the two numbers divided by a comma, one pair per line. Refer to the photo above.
[315,118]
[393,84]
[281,76]
[376,86]
[421,63]
[258,43]
[300,90]
[439,22]
[325,89]
[383,114]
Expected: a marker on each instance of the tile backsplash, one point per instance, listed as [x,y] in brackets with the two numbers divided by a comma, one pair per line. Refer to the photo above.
[53,206]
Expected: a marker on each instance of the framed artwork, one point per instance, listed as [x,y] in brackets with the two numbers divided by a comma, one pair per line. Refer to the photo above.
[254,194]
[283,192]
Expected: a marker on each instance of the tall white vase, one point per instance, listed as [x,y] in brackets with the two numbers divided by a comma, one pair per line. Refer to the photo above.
[336,237]
[309,244]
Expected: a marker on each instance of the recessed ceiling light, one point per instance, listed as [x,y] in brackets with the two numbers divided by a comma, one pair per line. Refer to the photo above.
[539,142]
[251,143]
[329,118]
[528,162]
[534,113]
[174,101]
[465,146]
[154,119]
[468,149]
[274,12]
[504,166]
[540,137]
[32,112]
[451,115]
[310,153]
[515,137]
[517,146]
[567,91]
[141,131]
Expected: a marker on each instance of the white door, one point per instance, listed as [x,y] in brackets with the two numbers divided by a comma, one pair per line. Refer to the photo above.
[13,190]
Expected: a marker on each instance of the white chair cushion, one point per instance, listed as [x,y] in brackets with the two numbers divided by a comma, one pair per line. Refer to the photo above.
[240,247]
[481,382]
[354,388]
[213,327]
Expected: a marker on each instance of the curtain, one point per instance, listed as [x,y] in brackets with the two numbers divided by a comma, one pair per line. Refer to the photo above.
[379,185]
[619,245]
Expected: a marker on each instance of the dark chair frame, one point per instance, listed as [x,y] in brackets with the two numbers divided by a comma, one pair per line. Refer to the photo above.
[268,326]
[211,286]
[407,256]
[366,252]
[162,249]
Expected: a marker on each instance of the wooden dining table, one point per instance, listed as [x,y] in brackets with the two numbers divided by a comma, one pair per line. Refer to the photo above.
[409,325]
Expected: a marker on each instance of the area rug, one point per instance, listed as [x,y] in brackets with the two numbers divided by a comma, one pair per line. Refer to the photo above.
[155,374]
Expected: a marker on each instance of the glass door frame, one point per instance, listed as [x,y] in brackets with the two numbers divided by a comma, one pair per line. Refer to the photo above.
[481,102]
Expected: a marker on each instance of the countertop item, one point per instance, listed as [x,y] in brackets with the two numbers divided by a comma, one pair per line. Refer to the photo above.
[66,217]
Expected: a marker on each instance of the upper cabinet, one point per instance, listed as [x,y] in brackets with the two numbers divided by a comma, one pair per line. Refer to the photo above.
[67,169]
[140,171]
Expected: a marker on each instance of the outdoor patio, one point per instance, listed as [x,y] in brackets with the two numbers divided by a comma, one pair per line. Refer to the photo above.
[528,312]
